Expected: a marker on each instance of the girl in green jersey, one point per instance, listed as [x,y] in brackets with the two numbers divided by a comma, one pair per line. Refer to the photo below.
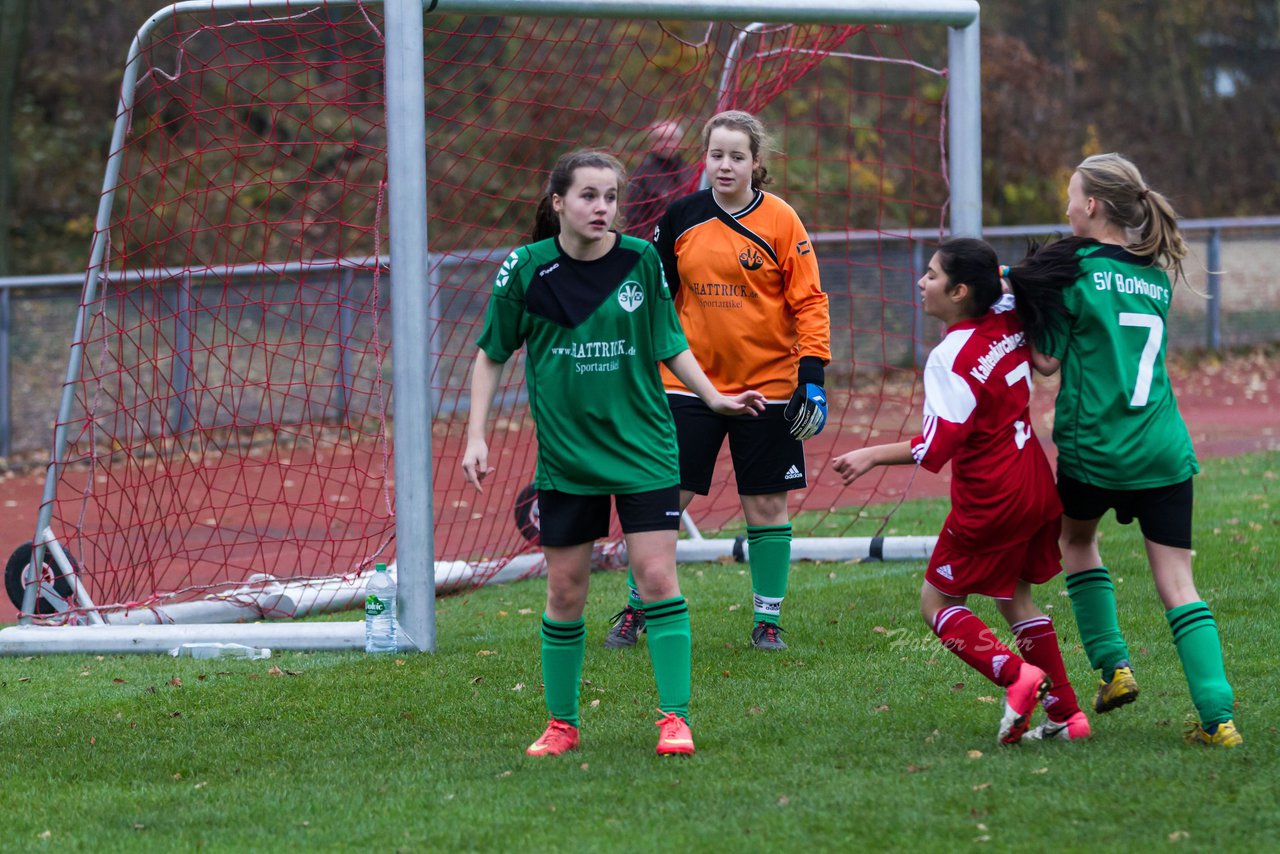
[592,311]
[1122,444]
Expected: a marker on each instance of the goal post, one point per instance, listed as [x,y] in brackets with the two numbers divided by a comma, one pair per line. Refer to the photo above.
[361,263]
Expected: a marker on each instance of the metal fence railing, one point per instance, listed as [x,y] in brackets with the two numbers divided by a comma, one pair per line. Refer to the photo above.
[1233,300]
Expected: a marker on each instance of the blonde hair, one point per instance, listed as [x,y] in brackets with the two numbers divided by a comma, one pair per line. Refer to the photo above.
[1149,220]
[756,134]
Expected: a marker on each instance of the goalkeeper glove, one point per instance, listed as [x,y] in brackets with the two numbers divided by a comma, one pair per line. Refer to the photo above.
[806,413]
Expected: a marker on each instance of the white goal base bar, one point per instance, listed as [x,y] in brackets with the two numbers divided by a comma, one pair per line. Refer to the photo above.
[236,617]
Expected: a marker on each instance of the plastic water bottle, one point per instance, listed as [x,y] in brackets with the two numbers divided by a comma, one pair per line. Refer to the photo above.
[380,611]
[221,650]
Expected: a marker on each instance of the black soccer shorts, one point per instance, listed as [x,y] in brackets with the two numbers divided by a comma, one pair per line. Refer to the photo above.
[767,459]
[570,520]
[1163,512]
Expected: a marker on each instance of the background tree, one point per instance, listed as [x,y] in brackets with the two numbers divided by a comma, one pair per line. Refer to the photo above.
[1188,88]
[13,31]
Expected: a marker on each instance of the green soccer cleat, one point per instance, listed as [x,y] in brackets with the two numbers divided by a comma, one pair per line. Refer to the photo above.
[1120,691]
[1224,734]
[627,626]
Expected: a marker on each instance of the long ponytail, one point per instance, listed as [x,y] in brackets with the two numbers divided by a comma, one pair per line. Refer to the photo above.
[1148,218]
[1038,280]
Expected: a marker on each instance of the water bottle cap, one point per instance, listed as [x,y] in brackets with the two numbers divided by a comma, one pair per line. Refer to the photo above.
[381,567]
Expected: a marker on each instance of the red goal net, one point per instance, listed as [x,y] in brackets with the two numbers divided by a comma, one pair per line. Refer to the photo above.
[231,412]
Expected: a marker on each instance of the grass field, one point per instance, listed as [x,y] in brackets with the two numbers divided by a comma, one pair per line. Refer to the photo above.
[863,736]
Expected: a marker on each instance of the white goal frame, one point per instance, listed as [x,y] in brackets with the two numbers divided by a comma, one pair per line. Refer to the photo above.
[417,569]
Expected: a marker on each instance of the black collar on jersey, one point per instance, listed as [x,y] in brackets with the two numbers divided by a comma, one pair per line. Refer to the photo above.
[566,291]
[1115,252]
[731,220]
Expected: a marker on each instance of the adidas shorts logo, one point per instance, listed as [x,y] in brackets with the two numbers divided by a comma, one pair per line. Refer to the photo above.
[945,571]
[792,473]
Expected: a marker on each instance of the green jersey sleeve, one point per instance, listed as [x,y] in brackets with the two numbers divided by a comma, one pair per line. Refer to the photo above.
[505,323]
[664,324]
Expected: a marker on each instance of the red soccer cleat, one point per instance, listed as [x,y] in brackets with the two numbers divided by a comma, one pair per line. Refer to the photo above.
[674,738]
[559,737]
[1020,701]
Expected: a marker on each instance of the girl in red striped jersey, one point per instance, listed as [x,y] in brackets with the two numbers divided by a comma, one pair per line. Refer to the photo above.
[1001,535]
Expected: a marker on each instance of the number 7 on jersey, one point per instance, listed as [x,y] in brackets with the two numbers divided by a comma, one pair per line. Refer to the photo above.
[1146,363]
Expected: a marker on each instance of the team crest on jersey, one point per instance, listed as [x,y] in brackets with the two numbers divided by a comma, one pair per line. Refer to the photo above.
[630,296]
[750,258]
[504,273]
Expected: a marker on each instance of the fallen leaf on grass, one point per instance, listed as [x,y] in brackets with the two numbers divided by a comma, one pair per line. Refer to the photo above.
[974,754]
[880,630]
[1040,771]
[476,680]
[486,652]
[981,786]
[986,699]
[175,682]
[519,686]
[916,769]
[275,671]
[1179,835]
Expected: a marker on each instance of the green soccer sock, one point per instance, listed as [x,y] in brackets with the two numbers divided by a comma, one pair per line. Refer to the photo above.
[563,648]
[769,552]
[633,595]
[1195,634]
[1093,599]
[671,652]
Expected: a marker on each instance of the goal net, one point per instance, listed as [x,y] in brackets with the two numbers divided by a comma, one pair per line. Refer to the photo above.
[227,422]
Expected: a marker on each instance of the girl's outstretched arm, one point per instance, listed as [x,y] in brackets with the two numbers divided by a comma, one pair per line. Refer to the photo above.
[855,464]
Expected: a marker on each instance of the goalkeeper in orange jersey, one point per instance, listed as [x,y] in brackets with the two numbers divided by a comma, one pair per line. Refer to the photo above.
[1001,535]
[745,279]
[592,310]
